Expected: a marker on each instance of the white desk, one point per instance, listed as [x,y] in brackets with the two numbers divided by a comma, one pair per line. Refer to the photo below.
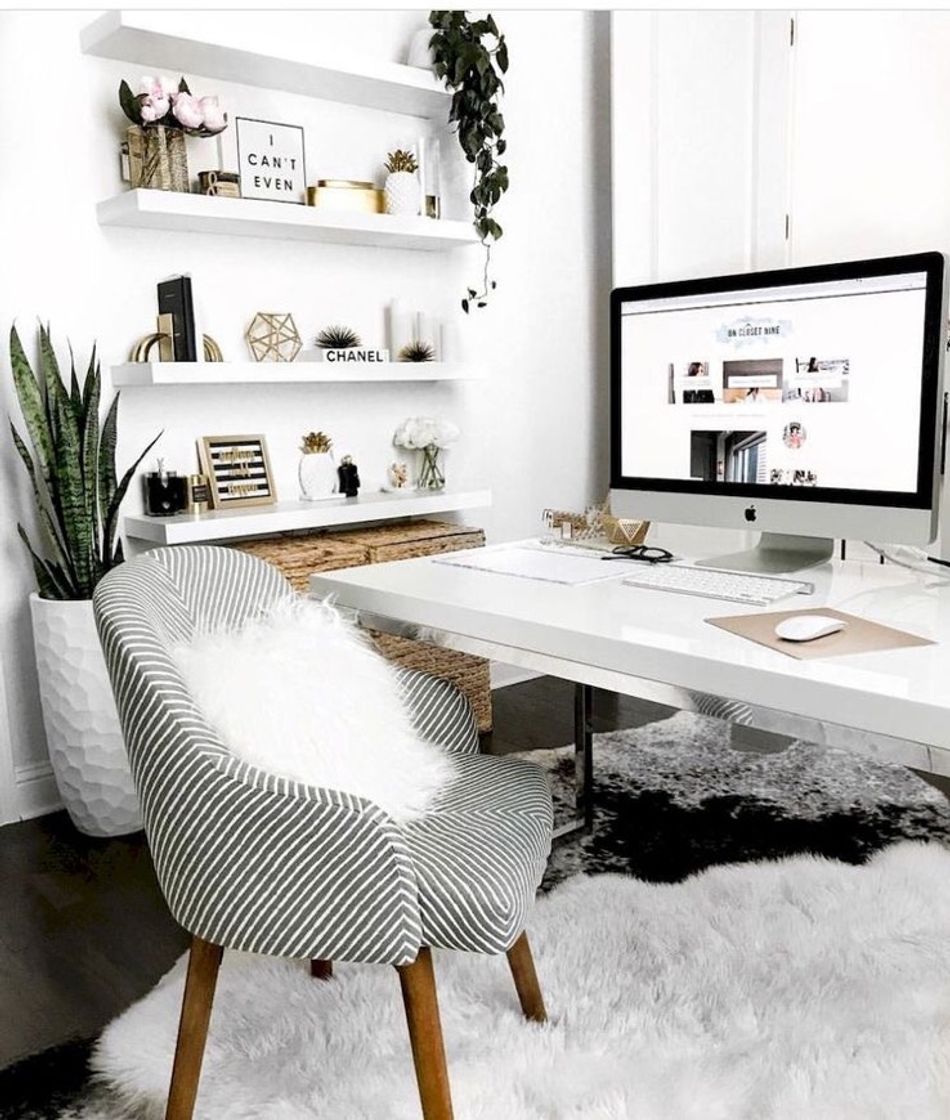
[894,705]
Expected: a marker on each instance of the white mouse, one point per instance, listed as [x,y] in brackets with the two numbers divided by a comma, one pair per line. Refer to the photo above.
[808,627]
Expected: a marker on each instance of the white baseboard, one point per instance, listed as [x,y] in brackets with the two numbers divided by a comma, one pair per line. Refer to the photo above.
[503,675]
[36,790]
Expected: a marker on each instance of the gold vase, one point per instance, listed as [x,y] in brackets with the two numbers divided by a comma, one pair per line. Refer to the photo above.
[158,160]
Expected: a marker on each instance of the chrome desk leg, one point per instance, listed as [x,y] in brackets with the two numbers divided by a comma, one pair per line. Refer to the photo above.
[583,764]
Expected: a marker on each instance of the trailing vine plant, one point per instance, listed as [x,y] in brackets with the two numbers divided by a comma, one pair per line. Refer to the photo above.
[471,56]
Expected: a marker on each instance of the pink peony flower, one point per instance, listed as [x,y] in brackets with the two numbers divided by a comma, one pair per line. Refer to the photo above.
[152,109]
[158,86]
[187,111]
[214,118]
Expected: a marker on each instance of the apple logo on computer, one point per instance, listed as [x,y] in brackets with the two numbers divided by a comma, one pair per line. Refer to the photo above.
[750,513]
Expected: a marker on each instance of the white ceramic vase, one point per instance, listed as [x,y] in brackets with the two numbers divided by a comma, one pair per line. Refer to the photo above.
[401,192]
[86,748]
[317,476]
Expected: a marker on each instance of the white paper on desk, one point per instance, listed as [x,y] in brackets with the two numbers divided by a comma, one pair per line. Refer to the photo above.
[550,565]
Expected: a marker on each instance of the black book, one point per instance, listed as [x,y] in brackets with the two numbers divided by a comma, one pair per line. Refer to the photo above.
[174,298]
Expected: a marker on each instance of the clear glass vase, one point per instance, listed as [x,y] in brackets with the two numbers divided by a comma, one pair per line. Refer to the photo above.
[431,477]
[158,159]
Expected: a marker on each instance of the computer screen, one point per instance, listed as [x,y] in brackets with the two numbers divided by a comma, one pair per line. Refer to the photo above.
[816,383]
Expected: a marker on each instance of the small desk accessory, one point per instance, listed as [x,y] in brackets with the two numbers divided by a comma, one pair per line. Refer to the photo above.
[860,636]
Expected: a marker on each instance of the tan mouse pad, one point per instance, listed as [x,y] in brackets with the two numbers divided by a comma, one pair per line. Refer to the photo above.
[860,635]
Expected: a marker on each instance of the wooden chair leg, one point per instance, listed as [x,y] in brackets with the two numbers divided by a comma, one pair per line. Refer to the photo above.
[425,1035]
[521,963]
[321,970]
[203,962]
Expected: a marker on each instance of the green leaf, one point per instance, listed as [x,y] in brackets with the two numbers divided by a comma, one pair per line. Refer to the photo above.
[106,469]
[77,532]
[129,102]
[46,582]
[501,56]
[47,522]
[32,405]
[112,513]
[183,86]
[74,393]
[90,457]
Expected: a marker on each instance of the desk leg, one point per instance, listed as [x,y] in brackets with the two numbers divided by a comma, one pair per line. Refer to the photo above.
[583,763]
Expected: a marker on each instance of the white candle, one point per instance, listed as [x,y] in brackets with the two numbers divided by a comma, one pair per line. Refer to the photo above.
[400,327]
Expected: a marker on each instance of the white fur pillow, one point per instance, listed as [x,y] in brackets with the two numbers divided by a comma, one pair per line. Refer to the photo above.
[302,693]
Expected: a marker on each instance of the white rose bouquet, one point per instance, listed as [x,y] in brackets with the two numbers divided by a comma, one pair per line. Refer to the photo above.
[419,432]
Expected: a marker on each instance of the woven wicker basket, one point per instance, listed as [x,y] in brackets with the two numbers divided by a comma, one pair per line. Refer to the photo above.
[300,554]
[407,541]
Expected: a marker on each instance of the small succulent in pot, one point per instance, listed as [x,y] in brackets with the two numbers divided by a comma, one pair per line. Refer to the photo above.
[401,189]
[316,443]
[401,160]
[417,352]
[338,338]
[160,102]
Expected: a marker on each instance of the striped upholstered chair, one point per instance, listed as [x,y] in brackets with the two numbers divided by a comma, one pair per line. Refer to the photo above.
[251,861]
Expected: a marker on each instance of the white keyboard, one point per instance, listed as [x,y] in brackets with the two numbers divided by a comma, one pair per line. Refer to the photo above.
[711,583]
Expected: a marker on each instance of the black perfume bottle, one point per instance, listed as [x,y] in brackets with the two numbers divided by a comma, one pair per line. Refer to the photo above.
[349,477]
[166,492]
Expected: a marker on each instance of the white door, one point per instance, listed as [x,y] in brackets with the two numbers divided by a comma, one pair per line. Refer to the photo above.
[699,108]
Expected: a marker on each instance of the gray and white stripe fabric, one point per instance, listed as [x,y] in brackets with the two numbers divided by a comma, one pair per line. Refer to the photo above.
[252,861]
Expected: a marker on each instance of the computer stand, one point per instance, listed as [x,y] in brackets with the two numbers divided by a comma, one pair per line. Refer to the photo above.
[776,552]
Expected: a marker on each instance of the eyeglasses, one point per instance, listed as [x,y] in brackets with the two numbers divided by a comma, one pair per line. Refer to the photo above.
[640,552]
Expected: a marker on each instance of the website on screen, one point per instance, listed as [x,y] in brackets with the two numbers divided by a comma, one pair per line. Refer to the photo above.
[809,385]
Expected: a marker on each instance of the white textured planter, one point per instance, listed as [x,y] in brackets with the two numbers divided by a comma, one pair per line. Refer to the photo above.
[401,193]
[85,742]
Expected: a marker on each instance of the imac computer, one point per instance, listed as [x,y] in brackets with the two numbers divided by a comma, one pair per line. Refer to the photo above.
[804,402]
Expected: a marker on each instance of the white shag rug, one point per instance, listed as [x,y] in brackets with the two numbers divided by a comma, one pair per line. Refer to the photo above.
[800,990]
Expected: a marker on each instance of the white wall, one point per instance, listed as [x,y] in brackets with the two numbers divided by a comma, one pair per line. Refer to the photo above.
[532,432]
[699,154]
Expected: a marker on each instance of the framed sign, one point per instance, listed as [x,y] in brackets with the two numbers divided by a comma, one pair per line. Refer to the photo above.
[270,160]
[238,471]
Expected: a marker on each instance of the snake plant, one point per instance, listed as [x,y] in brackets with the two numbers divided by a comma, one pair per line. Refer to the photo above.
[72,469]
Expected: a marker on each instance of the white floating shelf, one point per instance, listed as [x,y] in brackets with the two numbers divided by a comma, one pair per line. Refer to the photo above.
[234,47]
[138,374]
[195,213]
[220,525]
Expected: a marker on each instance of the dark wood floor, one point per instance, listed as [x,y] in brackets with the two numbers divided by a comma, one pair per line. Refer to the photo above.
[84,930]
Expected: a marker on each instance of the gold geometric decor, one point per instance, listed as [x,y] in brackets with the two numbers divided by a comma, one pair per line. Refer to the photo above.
[273,337]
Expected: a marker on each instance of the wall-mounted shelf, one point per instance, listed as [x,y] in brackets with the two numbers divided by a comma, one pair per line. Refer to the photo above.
[138,374]
[220,525]
[232,49]
[174,211]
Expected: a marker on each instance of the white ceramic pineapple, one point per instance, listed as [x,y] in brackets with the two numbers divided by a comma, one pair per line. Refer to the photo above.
[317,470]
[401,189]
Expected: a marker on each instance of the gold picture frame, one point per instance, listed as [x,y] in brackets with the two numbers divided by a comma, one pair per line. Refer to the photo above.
[238,471]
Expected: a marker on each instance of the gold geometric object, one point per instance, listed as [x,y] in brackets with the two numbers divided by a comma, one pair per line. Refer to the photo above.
[624,530]
[273,337]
